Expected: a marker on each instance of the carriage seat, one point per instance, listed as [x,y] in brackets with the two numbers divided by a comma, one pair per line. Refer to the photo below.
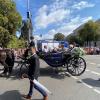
[54,56]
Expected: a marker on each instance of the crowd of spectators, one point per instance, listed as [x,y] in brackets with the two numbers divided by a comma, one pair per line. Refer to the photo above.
[60,48]
[92,50]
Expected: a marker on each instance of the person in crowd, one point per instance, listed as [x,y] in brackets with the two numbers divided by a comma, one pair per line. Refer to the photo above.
[97,50]
[77,50]
[15,53]
[92,50]
[54,50]
[50,49]
[45,49]
[61,48]
[33,73]
[32,41]
[70,47]
[1,47]
[9,63]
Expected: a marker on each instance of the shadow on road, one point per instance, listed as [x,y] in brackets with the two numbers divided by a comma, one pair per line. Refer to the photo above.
[47,71]
[11,95]
[50,72]
[15,74]
[92,82]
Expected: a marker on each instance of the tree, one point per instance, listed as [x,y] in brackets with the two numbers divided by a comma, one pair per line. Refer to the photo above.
[59,37]
[74,39]
[10,20]
[97,35]
[89,32]
[4,36]
[16,42]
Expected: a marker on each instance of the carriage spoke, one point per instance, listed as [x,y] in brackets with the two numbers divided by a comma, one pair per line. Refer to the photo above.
[72,68]
[76,66]
[79,70]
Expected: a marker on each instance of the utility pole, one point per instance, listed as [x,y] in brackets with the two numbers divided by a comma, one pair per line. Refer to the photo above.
[29,21]
[27,5]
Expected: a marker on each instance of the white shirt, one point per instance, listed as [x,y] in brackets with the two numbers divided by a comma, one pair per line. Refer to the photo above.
[45,50]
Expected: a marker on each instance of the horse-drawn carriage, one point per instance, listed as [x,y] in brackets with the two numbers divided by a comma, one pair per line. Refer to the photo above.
[73,63]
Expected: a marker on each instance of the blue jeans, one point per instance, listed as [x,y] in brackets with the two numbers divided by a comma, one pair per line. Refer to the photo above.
[32,85]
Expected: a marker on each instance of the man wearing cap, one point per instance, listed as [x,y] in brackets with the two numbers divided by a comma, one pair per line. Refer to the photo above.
[32,41]
[33,72]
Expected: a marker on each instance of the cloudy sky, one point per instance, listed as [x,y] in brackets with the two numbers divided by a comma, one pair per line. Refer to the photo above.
[53,16]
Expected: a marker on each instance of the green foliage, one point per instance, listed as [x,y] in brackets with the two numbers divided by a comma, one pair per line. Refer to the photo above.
[59,37]
[16,43]
[90,32]
[71,38]
[10,20]
[74,39]
[4,36]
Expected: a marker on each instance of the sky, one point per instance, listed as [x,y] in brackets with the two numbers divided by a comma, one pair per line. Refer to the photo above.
[52,16]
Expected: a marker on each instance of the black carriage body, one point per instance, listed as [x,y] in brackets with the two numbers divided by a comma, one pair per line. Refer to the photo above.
[54,59]
[75,65]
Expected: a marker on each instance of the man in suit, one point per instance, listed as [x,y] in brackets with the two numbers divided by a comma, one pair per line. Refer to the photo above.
[34,72]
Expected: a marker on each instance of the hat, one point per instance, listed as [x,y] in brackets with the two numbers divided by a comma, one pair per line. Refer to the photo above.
[32,37]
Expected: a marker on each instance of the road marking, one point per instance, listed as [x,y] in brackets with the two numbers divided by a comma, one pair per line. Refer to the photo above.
[93,63]
[86,84]
[88,62]
[95,72]
[97,91]
[88,70]
[89,86]
[82,82]
[74,77]
[98,64]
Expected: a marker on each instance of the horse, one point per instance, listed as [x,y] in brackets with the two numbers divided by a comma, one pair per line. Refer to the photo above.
[7,60]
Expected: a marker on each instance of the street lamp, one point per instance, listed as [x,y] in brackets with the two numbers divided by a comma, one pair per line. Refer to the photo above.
[28,15]
[27,5]
[29,21]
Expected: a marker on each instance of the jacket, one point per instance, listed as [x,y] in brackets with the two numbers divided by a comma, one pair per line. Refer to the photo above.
[34,67]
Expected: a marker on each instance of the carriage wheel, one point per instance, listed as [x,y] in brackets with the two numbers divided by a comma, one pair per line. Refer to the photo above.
[76,66]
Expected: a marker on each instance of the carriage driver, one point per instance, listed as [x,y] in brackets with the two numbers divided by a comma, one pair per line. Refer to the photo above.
[33,73]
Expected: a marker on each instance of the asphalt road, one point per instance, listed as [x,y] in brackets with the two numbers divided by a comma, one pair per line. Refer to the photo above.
[63,87]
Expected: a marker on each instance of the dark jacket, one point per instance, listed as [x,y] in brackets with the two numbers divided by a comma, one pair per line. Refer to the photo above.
[32,43]
[34,66]
[10,58]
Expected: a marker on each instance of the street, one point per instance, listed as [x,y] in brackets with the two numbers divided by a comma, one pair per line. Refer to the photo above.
[63,87]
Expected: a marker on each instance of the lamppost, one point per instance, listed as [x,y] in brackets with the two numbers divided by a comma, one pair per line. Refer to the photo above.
[29,21]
